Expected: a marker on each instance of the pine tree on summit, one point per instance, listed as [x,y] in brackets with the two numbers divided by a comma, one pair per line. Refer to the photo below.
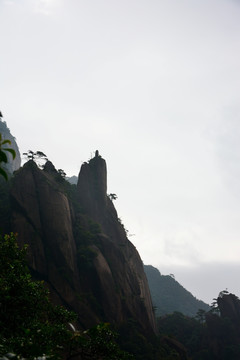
[37,156]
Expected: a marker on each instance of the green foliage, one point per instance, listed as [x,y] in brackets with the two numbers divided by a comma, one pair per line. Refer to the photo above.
[201,316]
[98,343]
[209,335]
[112,196]
[33,328]
[71,191]
[85,256]
[145,346]
[86,234]
[31,155]
[133,341]
[86,231]
[224,336]
[94,228]
[62,173]
[30,325]
[3,156]
[186,330]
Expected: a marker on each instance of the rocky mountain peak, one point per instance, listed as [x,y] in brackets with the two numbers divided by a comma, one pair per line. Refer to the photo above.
[229,306]
[77,244]
[92,185]
[50,168]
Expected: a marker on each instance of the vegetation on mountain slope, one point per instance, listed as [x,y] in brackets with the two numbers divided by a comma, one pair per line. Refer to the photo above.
[169,296]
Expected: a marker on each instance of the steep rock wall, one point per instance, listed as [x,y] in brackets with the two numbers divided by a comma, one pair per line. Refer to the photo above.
[41,217]
[229,306]
[79,247]
[126,264]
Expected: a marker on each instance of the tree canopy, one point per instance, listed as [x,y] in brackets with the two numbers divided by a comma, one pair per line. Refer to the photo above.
[30,325]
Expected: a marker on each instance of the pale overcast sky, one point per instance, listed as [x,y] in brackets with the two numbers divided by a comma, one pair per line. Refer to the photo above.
[154,85]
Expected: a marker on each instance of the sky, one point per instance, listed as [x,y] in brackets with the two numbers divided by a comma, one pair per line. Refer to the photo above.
[154,85]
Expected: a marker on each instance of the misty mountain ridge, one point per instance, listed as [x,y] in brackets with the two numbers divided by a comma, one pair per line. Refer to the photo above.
[169,296]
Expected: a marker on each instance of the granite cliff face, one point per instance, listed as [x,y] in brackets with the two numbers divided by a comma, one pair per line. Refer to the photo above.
[92,195]
[78,246]
[229,307]
[41,216]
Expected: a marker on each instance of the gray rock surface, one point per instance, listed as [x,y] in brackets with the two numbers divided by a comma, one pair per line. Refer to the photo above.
[78,246]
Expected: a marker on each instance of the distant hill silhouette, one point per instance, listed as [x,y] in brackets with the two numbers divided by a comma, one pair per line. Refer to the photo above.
[72,179]
[169,296]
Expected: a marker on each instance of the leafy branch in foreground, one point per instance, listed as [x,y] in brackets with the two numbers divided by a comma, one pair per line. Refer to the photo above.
[3,155]
[30,325]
